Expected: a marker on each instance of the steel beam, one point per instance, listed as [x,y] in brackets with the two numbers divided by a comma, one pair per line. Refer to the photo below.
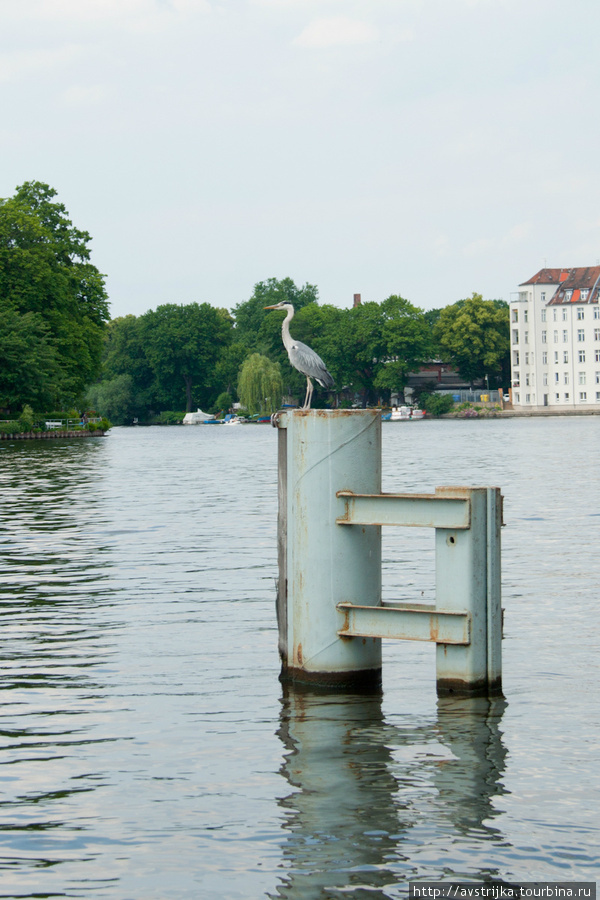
[406,623]
[413,510]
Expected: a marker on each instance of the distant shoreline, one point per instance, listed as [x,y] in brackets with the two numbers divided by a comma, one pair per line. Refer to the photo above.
[525,414]
[49,435]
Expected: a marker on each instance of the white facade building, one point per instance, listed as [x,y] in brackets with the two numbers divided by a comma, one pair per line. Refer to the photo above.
[555,340]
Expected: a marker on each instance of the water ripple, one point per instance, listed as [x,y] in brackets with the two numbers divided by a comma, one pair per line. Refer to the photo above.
[147,747]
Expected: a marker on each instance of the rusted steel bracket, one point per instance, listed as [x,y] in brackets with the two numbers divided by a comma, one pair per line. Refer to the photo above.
[406,623]
[413,510]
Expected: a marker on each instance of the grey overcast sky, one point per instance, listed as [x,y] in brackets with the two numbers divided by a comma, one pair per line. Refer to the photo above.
[429,148]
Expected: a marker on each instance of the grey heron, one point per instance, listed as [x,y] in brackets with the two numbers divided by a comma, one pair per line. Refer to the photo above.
[302,357]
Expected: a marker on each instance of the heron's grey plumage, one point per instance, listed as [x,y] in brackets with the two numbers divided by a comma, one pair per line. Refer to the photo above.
[303,357]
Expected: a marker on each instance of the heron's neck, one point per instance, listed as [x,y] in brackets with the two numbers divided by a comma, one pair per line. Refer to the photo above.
[285,329]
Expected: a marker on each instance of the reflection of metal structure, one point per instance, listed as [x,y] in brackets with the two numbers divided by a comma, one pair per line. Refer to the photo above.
[331,616]
[363,789]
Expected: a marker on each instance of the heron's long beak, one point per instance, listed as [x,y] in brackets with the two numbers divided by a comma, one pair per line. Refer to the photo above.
[270,307]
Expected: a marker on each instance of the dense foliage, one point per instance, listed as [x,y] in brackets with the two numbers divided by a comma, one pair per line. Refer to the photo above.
[260,386]
[436,404]
[53,304]
[473,334]
[59,347]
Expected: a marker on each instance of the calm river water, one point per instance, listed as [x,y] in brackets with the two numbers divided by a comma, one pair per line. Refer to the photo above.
[147,747]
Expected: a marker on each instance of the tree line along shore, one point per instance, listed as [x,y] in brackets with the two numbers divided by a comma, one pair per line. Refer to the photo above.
[62,350]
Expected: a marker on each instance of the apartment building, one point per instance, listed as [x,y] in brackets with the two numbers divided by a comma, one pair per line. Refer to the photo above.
[555,339]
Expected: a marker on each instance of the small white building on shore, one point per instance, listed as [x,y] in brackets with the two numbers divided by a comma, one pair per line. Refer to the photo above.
[555,340]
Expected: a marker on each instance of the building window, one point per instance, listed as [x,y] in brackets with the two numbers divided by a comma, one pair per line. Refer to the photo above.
[515,336]
[554,315]
[543,296]
[544,357]
[556,377]
[584,294]
[567,396]
[568,295]
[597,334]
[515,357]
[515,315]
[543,315]
[525,316]
[527,384]
[526,337]
[544,333]
[564,315]
[545,379]
[527,398]
[566,378]
[557,396]
[582,378]
[556,337]
[581,355]
[565,356]
[565,336]
[597,355]
[517,398]
[580,312]
[555,356]
[580,334]
[597,377]
[583,396]
[597,312]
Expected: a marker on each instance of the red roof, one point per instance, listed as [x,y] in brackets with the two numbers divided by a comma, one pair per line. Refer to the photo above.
[570,283]
[546,276]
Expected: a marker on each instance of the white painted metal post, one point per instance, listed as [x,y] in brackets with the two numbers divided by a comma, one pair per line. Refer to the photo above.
[468,578]
[320,564]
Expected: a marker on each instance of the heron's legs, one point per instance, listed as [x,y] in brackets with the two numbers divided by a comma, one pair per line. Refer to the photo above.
[309,391]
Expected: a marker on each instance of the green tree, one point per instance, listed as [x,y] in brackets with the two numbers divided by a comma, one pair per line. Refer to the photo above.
[47,278]
[379,344]
[436,404]
[125,354]
[473,335]
[253,327]
[125,350]
[358,349]
[259,384]
[115,399]
[227,367]
[183,344]
[29,367]
[27,419]
[223,403]
[407,339]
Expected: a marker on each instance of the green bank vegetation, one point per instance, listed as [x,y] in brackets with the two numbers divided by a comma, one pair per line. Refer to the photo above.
[62,350]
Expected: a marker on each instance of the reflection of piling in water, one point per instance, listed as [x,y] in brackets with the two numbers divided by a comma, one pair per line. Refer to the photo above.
[342,820]
[364,790]
[330,611]
[468,782]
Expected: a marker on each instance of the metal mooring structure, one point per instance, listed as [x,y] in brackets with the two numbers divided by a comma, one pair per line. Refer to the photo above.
[331,510]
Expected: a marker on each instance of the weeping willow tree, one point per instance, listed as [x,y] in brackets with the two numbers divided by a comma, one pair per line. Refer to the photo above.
[260,385]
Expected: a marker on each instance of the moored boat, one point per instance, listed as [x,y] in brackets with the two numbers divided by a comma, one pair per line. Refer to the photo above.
[403,414]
